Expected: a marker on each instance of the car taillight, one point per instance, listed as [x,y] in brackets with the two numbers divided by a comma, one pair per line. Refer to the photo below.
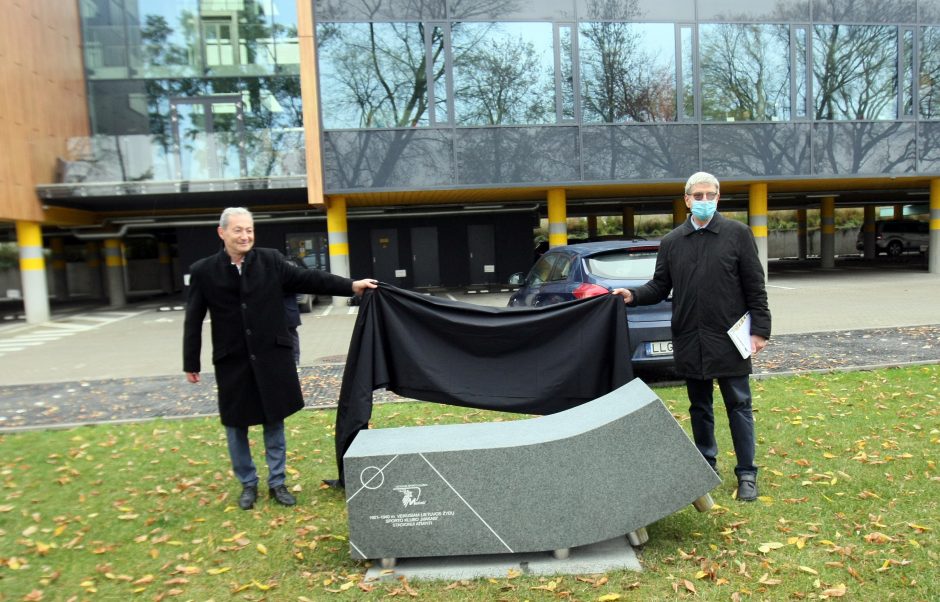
[586,290]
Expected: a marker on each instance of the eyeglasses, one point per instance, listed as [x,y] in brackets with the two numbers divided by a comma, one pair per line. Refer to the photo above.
[698,196]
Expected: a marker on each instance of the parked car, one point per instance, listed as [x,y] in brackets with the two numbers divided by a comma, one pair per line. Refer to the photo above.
[894,237]
[305,302]
[585,270]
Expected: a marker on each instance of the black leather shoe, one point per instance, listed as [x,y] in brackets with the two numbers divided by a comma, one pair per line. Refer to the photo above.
[747,488]
[246,501]
[282,496]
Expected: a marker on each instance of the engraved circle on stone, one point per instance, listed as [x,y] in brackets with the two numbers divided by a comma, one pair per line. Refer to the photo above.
[372,477]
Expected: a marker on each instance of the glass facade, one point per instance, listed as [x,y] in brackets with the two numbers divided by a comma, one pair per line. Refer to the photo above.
[498,92]
[194,89]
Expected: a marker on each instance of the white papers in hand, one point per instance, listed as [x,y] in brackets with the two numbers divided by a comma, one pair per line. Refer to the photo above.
[740,335]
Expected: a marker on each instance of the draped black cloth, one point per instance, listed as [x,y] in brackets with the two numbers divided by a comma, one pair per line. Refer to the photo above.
[527,360]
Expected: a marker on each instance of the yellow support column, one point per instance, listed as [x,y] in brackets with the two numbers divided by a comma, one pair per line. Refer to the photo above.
[629,225]
[32,272]
[757,219]
[868,232]
[827,232]
[933,260]
[557,218]
[679,211]
[93,262]
[801,233]
[337,232]
[898,211]
[114,262]
[60,275]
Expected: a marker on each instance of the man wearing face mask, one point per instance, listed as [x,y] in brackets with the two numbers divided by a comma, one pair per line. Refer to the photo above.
[711,265]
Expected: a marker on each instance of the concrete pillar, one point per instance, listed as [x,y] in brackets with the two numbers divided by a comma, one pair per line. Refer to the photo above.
[337,232]
[679,211]
[757,219]
[165,261]
[557,218]
[114,261]
[801,233]
[592,226]
[60,275]
[93,261]
[868,232]
[32,272]
[933,259]
[629,227]
[898,211]
[827,232]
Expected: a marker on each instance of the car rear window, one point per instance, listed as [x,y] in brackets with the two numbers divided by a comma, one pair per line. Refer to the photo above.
[623,265]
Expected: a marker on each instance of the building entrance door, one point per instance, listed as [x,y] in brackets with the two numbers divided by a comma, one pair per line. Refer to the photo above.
[208,135]
[384,254]
[482,254]
[425,264]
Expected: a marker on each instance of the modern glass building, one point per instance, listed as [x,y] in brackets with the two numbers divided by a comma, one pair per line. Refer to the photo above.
[419,141]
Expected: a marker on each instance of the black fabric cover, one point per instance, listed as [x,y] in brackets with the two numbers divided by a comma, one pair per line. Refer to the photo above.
[527,360]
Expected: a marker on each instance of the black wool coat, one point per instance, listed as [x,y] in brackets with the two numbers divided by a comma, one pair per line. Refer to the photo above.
[251,347]
[715,276]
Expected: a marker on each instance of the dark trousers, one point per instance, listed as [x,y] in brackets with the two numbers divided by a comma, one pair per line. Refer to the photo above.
[736,392]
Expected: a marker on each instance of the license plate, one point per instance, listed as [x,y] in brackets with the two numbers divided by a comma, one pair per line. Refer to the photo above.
[659,348]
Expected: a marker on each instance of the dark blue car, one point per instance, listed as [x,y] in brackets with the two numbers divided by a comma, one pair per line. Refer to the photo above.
[595,268]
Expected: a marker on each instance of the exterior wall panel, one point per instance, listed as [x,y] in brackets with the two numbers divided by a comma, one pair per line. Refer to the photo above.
[759,149]
[387,159]
[639,152]
[511,155]
[863,148]
[43,99]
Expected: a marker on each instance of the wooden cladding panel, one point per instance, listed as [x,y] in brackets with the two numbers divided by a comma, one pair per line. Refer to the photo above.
[42,98]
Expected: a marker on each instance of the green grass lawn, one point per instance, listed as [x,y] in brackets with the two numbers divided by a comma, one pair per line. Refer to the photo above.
[849,509]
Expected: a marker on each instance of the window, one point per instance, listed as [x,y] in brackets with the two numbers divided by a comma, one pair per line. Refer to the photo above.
[745,72]
[373,74]
[929,79]
[218,40]
[541,270]
[504,73]
[628,72]
[623,266]
[855,72]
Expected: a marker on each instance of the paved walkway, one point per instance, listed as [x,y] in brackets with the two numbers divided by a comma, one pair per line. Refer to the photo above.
[120,366]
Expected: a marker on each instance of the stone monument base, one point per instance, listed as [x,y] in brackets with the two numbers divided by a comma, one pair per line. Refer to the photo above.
[602,470]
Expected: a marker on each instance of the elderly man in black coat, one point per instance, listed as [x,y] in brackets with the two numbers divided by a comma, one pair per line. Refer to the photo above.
[711,266]
[242,289]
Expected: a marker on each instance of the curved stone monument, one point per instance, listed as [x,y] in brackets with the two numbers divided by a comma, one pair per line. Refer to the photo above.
[606,468]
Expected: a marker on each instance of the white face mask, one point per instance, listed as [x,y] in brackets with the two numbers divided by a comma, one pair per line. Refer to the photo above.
[704,210]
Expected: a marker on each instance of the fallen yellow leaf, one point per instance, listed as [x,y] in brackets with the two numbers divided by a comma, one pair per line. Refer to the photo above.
[834,592]
[767,547]
[262,549]
[806,569]
[608,598]
[766,580]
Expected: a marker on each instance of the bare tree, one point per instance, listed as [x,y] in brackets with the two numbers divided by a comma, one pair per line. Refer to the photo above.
[855,71]
[500,78]
[745,72]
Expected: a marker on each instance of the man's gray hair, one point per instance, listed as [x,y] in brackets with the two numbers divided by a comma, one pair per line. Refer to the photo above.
[229,212]
[701,177]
